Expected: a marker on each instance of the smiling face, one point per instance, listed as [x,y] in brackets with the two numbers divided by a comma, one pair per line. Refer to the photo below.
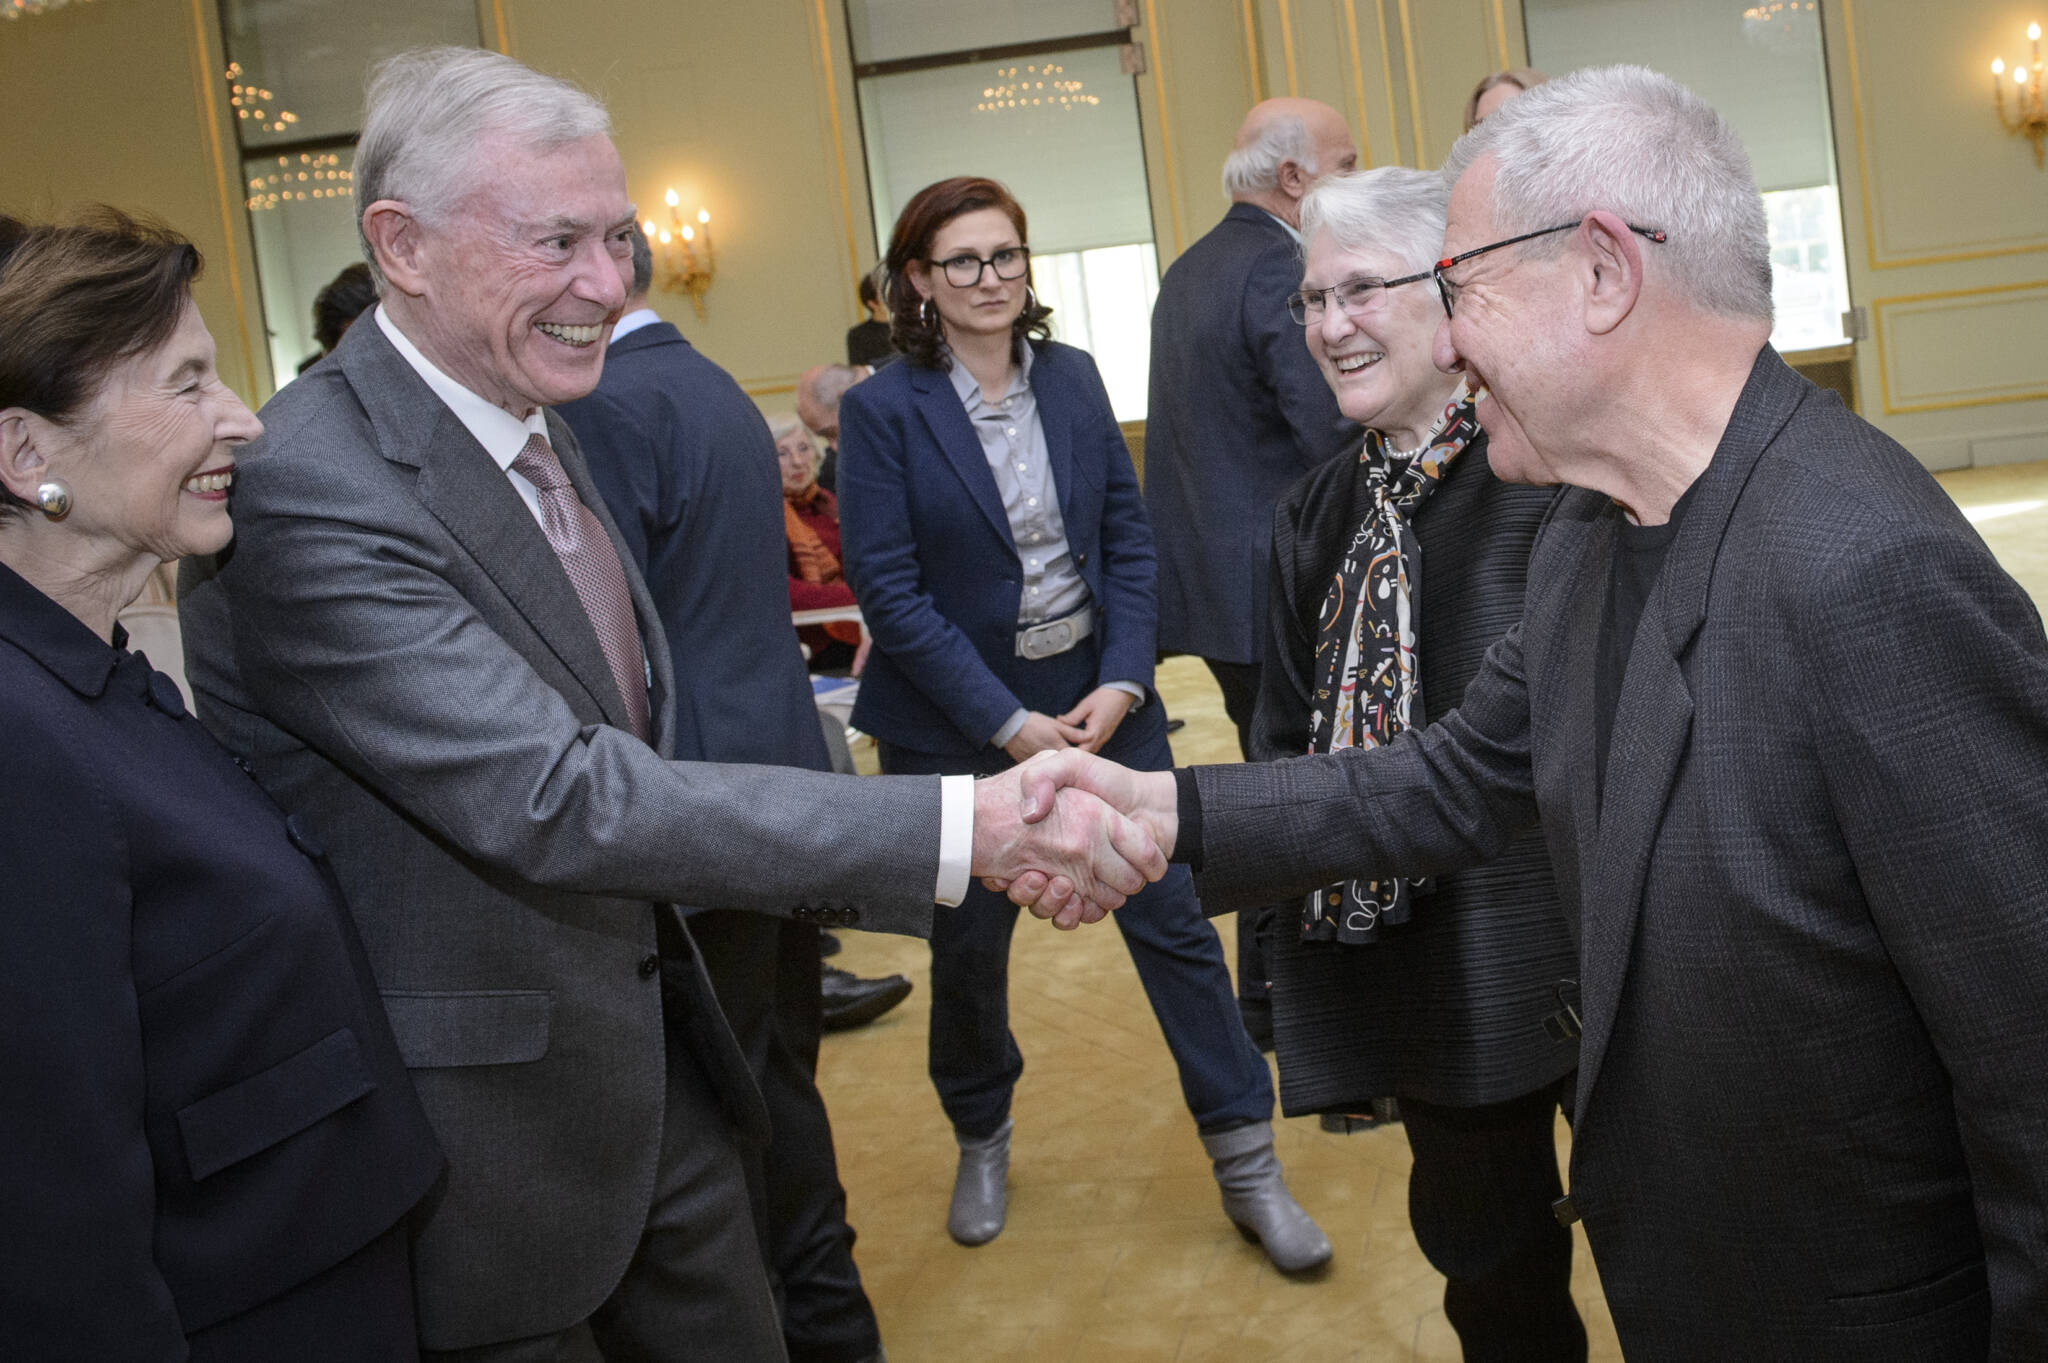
[150,459]
[1378,365]
[1506,334]
[525,276]
[988,307]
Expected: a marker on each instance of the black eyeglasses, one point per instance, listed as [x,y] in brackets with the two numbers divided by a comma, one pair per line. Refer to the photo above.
[1356,297]
[964,270]
[1449,291]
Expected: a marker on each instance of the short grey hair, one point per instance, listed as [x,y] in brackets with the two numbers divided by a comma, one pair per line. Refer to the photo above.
[643,265]
[1255,167]
[427,109]
[788,423]
[1392,209]
[1638,144]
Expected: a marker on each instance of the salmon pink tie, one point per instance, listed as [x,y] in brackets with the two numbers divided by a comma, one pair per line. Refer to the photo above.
[593,567]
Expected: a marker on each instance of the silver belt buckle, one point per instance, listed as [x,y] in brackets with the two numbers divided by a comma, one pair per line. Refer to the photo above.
[1048,640]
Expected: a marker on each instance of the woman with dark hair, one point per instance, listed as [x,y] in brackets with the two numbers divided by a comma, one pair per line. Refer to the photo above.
[208,1143]
[999,549]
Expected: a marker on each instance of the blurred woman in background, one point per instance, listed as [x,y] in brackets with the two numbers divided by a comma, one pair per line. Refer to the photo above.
[810,523]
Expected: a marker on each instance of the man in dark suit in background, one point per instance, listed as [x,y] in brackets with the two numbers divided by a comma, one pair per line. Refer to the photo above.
[686,465]
[1785,722]
[427,643]
[1237,413]
[817,406]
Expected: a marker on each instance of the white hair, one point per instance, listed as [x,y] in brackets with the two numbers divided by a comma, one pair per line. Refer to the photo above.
[1255,167]
[428,108]
[1640,145]
[1392,209]
[787,423]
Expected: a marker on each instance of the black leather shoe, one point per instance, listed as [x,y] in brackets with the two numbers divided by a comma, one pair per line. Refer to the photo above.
[850,1001]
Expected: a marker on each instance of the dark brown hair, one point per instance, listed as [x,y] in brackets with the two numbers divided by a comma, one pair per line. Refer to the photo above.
[916,227]
[340,301]
[77,300]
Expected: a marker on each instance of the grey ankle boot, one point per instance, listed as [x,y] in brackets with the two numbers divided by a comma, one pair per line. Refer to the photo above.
[1256,1199]
[976,1216]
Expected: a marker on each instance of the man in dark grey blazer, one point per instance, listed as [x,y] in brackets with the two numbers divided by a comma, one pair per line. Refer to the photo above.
[1785,722]
[1237,413]
[428,646]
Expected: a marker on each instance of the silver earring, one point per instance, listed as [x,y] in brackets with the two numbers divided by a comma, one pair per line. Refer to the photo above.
[928,314]
[54,499]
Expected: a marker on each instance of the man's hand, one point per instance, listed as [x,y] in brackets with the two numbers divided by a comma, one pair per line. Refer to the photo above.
[1041,733]
[1097,716]
[1086,858]
[1147,796]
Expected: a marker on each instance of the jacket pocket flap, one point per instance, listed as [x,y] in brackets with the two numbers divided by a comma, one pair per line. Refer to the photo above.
[448,1028]
[1941,1291]
[248,1117]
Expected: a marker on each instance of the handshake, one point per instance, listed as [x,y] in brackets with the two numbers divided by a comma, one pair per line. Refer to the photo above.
[1070,836]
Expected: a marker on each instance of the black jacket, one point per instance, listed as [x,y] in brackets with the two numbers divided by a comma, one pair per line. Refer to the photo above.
[1450,1006]
[203,1106]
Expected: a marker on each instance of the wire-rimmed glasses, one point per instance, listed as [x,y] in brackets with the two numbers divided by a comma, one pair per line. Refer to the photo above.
[1447,290]
[1357,296]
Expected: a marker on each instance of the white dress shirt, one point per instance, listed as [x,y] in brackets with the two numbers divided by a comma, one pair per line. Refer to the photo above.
[503,435]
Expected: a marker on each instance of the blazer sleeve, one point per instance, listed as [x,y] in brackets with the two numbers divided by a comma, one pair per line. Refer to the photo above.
[880,453]
[1306,403]
[368,653]
[1448,797]
[1927,693]
[78,1274]
[1129,606]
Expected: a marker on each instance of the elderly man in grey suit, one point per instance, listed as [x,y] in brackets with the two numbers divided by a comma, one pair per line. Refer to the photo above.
[1785,723]
[1238,412]
[427,645]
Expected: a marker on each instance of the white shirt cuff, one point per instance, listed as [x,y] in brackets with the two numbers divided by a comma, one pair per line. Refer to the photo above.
[956,838]
[1131,689]
[1010,727]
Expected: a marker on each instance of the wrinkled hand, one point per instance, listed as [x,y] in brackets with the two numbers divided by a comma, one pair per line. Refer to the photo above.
[1146,796]
[1097,716]
[1041,733]
[1086,857]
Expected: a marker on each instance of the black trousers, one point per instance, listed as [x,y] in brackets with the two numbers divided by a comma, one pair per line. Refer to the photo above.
[1240,685]
[765,972]
[1479,1202]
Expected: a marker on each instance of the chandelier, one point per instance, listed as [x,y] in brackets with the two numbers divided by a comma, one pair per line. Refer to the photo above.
[15,9]
[1034,86]
[309,175]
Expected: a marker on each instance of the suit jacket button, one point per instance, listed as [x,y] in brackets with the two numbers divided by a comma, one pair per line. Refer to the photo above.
[848,917]
[1081,560]
[649,967]
[1565,1210]
[302,836]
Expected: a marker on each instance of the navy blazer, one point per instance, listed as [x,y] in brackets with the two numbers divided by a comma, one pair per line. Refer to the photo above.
[1238,412]
[929,552]
[685,462]
[201,1104]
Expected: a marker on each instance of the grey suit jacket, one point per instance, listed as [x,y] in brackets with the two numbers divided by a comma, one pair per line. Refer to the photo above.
[393,646]
[1811,1116]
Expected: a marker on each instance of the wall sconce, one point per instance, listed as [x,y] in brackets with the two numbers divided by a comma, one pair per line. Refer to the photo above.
[2028,117]
[683,259]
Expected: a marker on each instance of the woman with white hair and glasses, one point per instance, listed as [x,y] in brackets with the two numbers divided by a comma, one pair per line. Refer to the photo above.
[1395,566]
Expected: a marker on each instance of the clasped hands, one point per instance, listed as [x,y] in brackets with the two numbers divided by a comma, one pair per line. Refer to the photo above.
[1070,836]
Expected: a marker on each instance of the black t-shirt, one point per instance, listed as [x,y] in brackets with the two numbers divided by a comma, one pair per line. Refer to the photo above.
[1638,557]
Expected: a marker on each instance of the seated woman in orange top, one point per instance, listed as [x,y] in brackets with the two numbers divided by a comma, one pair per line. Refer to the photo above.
[810,519]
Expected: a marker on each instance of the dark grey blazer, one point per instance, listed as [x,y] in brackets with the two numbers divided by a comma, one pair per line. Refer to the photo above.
[393,645]
[1238,411]
[1811,1116]
[1450,1006]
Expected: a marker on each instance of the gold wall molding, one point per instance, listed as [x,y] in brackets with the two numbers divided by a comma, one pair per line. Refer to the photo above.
[1251,50]
[205,62]
[1357,83]
[823,26]
[1506,56]
[1287,48]
[1416,127]
[1166,151]
[499,28]
[1878,257]
[772,386]
[1387,80]
[1889,314]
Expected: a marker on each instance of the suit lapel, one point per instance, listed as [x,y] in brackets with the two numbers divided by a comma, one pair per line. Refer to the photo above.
[1653,721]
[464,489]
[1055,418]
[1577,721]
[940,407]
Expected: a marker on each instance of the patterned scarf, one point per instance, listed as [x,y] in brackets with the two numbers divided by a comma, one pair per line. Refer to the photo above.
[810,558]
[1368,687]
